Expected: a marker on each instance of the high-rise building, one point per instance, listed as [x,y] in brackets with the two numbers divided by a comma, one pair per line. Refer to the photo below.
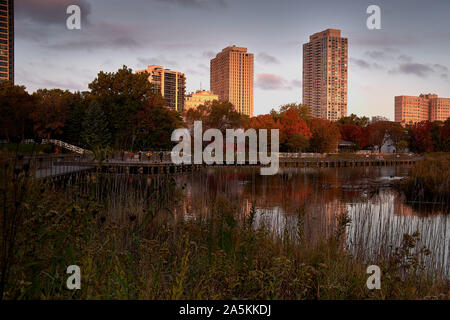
[232,78]
[198,98]
[7,40]
[171,84]
[325,64]
[410,109]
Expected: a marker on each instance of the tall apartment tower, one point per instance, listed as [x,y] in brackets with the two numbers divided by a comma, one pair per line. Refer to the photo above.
[411,109]
[231,78]
[171,84]
[7,40]
[325,63]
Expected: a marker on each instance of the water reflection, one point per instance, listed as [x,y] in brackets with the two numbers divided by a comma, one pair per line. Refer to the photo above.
[379,215]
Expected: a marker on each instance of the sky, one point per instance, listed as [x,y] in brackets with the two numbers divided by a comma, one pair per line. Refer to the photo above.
[409,55]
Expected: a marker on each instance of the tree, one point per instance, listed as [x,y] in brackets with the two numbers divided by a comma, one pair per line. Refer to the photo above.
[96,134]
[15,106]
[302,110]
[265,121]
[325,136]
[154,124]
[50,112]
[120,94]
[445,136]
[353,119]
[420,137]
[217,114]
[291,124]
[354,133]
[297,143]
[76,115]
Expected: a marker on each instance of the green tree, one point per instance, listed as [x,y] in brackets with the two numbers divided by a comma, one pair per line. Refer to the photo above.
[353,119]
[120,95]
[96,134]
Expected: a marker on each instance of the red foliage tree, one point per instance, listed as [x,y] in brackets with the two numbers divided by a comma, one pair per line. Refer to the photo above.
[354,133]
[291,124]
[420,137]
[325,135]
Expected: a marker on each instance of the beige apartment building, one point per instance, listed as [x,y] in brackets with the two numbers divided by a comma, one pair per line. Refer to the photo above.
[411,109]
[325,72]
[171,84]
[6,40]
[231,78]
[198,98]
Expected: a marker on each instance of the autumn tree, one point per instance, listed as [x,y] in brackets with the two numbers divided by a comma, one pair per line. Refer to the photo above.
[154,124]
[445,136]
[291,124]
[325,136]
[354,133]
[420,137]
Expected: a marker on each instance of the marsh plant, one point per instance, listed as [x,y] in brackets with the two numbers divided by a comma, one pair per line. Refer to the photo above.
[130,244]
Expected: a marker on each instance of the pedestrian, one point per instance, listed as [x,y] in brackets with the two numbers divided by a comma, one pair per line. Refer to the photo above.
[161,154]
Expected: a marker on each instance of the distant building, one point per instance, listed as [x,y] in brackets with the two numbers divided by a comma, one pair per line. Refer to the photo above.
[378,119]
[7,40]
[325,70]
[232,78]
[198,98]
[411,109]
[171,85]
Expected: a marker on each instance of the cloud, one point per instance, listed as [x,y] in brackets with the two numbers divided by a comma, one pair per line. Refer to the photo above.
[266,58]
[418,69]
[404,58]
[267,81]
[159,60]
[209,54]
[49,11]
[103,35]
[377,55]
[360,63]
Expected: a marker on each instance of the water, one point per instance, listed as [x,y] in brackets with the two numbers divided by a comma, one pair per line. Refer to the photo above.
[379,215]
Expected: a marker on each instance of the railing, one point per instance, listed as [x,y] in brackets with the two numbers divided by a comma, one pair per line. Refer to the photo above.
[65,145]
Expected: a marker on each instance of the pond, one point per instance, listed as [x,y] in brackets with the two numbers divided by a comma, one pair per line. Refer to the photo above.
[379,215]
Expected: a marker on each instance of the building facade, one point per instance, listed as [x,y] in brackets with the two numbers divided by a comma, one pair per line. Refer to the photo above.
[411,109]
[231,78]
[7,40]
[198,98]
[170,84]
[325,73]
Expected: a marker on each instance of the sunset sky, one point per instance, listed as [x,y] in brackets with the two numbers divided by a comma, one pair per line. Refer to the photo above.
[409,56]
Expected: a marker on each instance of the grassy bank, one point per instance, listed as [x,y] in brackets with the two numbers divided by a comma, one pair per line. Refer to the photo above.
[146,252]
[429,180]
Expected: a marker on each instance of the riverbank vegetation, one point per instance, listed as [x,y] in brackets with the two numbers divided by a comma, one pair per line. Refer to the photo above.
[130,245]
[429,180]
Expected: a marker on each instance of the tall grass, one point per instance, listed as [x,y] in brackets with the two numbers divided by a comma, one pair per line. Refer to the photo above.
[130,243]
[429,181]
